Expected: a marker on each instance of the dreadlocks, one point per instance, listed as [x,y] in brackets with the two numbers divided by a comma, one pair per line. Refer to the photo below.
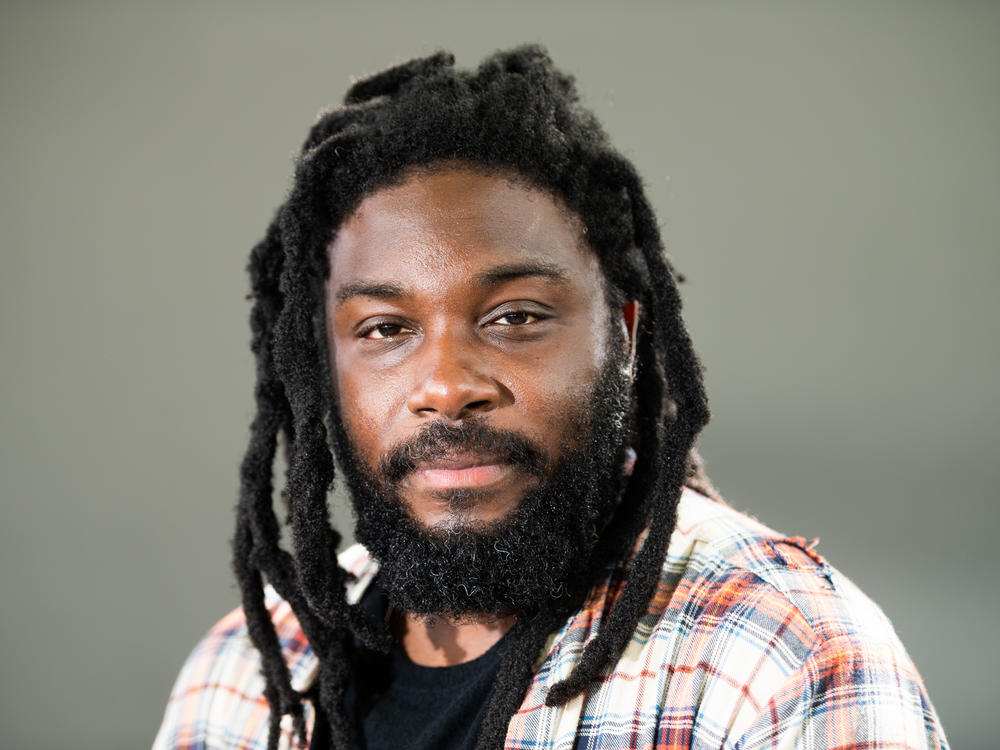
[516,114]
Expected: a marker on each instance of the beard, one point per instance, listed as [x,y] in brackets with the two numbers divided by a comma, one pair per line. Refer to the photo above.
[541,552]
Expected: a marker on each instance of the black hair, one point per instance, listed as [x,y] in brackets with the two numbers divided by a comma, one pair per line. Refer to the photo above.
[517,115]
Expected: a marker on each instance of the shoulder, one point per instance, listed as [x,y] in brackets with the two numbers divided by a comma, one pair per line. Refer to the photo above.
[218,698]
[751,635]
[763,630]
[724,560]
[732,577]
[725,574]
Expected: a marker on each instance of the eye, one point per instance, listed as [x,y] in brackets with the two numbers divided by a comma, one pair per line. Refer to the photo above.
[516,318]
[381,331]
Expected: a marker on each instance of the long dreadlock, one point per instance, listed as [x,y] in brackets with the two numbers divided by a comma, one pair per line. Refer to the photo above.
[516,114]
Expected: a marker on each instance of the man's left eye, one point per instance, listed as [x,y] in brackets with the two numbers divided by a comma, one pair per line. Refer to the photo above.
[518,318]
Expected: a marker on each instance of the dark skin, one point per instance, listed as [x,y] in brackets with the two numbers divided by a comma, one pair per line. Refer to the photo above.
[451,295]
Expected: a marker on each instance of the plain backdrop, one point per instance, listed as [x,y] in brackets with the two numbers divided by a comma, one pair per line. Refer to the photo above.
[827,175]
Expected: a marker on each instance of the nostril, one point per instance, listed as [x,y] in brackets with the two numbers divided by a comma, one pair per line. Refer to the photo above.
[476,405]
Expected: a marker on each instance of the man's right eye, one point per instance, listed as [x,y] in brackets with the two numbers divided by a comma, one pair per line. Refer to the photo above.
[381,331]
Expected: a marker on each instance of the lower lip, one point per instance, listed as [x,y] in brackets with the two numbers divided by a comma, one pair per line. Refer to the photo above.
[473,476]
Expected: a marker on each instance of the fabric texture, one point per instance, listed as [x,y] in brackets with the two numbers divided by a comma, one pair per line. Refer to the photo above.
[751,641]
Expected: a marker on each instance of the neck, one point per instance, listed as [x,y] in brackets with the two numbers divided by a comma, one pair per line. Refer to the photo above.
[445,642]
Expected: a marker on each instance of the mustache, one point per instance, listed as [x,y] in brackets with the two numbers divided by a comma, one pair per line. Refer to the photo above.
[472,436]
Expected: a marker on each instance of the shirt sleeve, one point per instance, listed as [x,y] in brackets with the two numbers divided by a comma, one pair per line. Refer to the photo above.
[217,700]
[849,694]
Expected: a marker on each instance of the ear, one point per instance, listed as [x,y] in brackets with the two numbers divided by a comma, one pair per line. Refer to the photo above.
[630,312]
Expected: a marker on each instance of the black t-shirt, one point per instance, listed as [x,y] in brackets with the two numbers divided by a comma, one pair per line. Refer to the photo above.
[399,704]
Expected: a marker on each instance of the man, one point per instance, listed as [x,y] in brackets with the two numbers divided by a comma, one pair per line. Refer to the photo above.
[464,303]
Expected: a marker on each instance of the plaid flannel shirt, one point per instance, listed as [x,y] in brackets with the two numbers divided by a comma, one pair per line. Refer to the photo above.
[751,641]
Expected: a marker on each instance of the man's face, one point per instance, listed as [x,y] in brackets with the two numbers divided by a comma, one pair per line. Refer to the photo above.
[457,295]
[475,364]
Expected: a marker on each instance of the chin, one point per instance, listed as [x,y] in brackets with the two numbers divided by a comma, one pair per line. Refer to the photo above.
[468,509]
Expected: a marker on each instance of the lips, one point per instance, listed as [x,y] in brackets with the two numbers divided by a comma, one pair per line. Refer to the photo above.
[471,455]
[461,471]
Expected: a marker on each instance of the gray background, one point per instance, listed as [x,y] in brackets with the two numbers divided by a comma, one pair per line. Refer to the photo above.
[827,175]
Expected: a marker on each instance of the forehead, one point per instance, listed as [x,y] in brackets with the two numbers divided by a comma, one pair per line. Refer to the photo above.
[454,222]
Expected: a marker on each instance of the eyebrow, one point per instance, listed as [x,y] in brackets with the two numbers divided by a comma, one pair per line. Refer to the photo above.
[369,289]
[508,272]
[489,278]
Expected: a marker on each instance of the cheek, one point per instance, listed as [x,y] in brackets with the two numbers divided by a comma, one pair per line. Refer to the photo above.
[554,400]
[362,407]
[372,407]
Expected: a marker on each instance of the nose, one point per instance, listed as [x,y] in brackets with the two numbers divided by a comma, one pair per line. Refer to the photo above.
[452,381]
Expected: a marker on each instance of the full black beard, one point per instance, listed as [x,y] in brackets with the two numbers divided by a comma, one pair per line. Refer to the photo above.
[543,551]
